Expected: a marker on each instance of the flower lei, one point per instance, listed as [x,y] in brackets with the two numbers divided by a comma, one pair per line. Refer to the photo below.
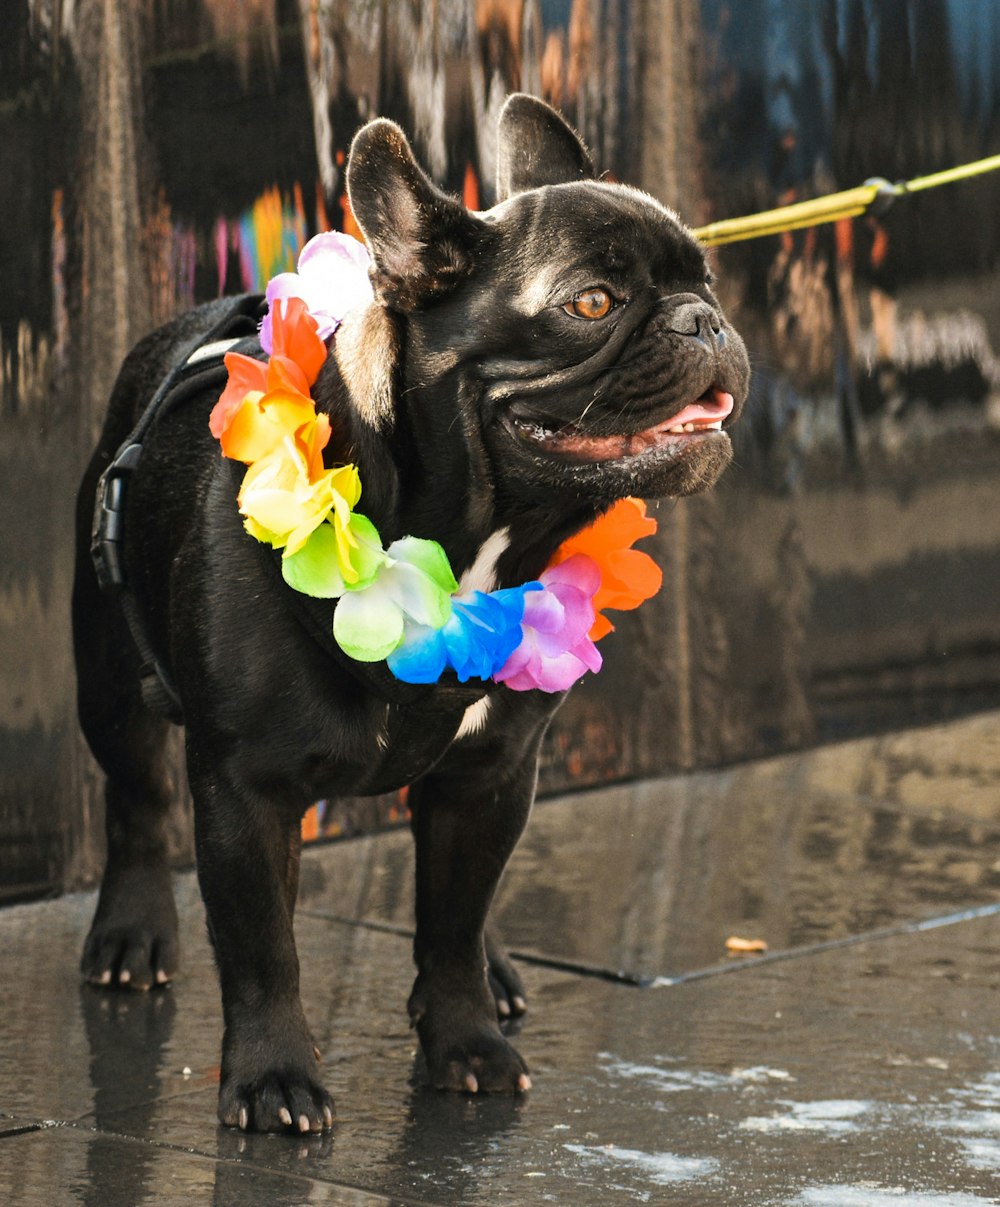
[401,603]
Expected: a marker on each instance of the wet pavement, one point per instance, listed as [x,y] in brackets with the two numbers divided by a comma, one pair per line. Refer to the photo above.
[855,1064]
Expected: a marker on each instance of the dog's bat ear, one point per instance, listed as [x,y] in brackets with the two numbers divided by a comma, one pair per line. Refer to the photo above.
[418,236]
[536,147]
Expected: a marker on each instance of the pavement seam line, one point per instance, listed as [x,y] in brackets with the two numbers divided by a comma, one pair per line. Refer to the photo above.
[793,953]
[640,981]
[244,1163]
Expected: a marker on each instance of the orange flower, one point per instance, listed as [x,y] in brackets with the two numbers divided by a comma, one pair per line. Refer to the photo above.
[628,577]
[295,363]
[294,339]
[263,421]
[247,379]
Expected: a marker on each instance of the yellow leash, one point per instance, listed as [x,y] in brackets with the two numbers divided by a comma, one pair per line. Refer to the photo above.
[874,196]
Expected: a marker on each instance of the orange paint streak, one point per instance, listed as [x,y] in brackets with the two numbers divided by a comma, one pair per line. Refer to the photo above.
[470,188]
[310,824]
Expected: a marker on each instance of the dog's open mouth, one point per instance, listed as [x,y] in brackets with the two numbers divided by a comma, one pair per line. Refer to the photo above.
[697,418]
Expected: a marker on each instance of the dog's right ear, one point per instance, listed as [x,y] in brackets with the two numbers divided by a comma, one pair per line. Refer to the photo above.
[537,147]
[420,239]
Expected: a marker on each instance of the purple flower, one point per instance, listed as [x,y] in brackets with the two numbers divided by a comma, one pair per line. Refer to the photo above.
[555,649]
[332,278]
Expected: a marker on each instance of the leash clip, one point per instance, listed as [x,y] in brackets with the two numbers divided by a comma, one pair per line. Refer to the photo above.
[109,511]
[885,195]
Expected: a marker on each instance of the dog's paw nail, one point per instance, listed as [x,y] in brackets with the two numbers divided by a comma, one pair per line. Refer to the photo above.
[244,1118]
[317,1053]
[327,1116]
[524,1083]
[104,978]
[124,976]
[304,1124]
[503,1009]
[161,977]
[471,1084]
[520,1005]
[285,1115]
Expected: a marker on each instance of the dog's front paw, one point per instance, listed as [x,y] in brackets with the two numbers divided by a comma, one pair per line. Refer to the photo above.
[283,1100]
[132,942]
[270,1083]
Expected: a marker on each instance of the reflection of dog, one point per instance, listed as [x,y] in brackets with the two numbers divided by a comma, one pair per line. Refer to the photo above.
[518,371]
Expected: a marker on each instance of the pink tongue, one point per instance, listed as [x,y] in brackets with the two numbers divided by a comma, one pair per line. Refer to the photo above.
[717,405]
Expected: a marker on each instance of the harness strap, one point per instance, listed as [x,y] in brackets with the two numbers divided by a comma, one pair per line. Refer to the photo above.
[198,369]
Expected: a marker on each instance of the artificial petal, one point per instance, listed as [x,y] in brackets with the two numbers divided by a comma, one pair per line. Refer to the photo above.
[331,280]
[295,337]
[555,649]
[484,630]
[261,424]
[315,568]
[277,495]
[415,594]
[628,576]
[318,567]
[246,377]
[365,557]
[422,657]
[412,585]
[428,557]
[284,374]
[368,625]
[480,635]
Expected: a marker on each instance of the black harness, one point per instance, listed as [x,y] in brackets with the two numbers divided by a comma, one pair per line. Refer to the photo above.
[418,735]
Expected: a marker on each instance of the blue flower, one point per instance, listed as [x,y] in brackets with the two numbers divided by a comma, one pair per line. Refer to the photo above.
[478,638]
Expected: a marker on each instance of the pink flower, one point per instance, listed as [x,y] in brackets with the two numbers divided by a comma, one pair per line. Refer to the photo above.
[555,649]
[332,278]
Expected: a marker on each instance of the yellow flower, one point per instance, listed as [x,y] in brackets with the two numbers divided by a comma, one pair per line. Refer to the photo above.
[284,499]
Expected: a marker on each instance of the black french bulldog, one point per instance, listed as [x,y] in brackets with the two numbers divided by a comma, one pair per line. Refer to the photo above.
[518,371]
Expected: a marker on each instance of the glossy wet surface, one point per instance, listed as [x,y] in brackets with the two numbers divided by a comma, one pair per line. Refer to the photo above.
[857,1063]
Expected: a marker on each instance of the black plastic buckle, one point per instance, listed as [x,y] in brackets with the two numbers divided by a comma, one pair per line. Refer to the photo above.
[109,512]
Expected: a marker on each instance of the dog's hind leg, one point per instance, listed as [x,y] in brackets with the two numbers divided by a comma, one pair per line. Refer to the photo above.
[466,822]
[133,939]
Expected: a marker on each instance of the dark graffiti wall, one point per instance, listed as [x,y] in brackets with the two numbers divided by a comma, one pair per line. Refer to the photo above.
[844,577]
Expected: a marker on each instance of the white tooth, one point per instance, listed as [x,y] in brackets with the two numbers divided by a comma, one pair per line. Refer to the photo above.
[689,427]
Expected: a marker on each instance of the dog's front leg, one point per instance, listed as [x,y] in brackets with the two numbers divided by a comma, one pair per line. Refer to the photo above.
[466,823]
[248,854]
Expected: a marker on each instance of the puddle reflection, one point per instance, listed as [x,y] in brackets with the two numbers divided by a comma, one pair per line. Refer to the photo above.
[127,1033]
[795,852]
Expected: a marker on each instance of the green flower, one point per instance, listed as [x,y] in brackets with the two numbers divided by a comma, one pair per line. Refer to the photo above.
[412,581]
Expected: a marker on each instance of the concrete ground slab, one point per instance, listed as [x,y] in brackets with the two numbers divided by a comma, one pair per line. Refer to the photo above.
[857,1063]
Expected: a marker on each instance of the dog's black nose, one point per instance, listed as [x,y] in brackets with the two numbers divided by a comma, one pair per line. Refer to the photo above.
[699,320]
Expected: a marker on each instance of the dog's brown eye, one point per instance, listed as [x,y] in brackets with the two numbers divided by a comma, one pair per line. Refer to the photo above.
[590,304]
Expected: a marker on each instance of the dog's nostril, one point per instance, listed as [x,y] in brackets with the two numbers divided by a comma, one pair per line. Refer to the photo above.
[697,319]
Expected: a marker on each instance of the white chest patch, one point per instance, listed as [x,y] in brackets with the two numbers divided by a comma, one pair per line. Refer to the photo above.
[474,719]
[482,574]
